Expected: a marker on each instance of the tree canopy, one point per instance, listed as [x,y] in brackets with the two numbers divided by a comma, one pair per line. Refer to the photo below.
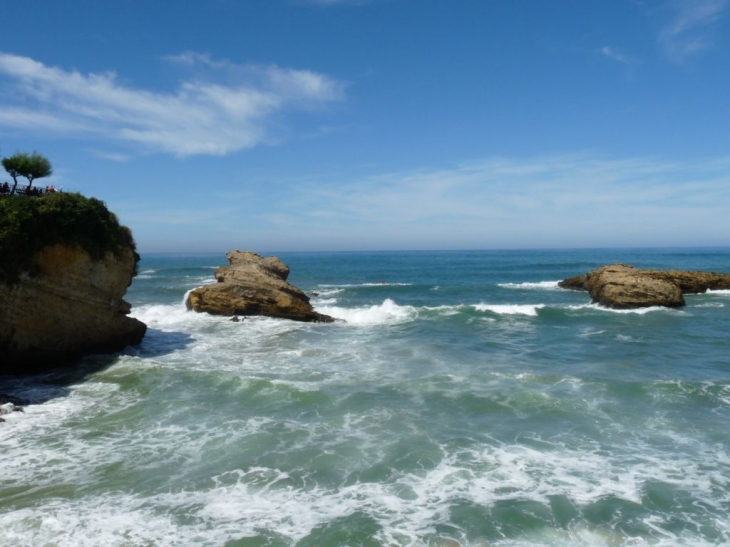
[30,166]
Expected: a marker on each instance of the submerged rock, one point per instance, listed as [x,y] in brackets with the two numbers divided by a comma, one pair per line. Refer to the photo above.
[70,305]
[622,286]
[254,285]
[8,408]
[9,404]
[14,401]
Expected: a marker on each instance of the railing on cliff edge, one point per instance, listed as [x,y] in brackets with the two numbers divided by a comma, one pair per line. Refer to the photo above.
[6,189]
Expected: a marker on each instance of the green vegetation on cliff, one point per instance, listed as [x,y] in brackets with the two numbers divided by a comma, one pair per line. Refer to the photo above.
[27,224]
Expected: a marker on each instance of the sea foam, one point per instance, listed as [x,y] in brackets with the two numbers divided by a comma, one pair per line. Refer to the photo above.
[635,311]
[723,292]
[510,309]
[539,285]
[380,314]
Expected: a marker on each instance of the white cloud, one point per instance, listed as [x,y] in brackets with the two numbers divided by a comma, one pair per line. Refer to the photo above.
[690,30]
[202,116]
[577,200]
[558,201]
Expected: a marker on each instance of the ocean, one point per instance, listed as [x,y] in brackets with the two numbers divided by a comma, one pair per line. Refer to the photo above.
[462,400]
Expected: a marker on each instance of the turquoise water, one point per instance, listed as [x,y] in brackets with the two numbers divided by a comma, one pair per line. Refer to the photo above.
[466,401]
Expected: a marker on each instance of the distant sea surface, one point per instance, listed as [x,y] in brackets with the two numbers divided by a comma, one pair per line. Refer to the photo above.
[463,400]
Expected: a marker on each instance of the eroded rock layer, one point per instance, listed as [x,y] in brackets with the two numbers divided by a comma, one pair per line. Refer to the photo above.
[622,286]
[71,306]
[254,285]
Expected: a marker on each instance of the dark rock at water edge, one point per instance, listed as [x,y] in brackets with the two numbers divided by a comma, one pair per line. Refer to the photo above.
[621,286]
[16,401]
[9,404]
[253,285]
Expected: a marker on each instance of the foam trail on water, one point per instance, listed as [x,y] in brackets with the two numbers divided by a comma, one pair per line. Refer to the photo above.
[637,311]
[376,284]
[329,292]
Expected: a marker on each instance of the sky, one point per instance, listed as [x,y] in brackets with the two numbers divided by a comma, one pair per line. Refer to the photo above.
[349,125]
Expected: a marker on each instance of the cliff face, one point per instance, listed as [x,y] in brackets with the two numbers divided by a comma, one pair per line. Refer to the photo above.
[70,306]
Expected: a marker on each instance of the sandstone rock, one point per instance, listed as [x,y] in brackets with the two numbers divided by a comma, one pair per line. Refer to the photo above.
[71,306]
[624,287]
[693,282]
[575,283]
[254,285]
[621,286]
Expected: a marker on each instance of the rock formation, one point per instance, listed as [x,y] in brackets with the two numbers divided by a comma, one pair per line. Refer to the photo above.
[623,287]
[69,305]
[254,285]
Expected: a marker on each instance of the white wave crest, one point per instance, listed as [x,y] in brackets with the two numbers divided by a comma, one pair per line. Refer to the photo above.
[510,309]
[369,284]
[162,315]
[539,285]
[329,292]
[723,292]
[637,311]
[386,313]
[445,310]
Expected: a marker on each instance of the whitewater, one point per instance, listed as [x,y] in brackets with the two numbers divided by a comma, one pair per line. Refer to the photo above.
[460,399]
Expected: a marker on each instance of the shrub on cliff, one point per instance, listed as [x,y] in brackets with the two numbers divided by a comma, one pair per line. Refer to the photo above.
[28,224]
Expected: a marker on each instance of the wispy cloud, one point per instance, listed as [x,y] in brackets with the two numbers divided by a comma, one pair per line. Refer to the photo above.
[112,156]
[614,53]
[227,109]
[691,28]
[575,200]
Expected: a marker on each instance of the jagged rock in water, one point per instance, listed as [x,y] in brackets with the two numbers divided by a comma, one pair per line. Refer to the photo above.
[254,285]
[622,286]
[70,305]
[575,283]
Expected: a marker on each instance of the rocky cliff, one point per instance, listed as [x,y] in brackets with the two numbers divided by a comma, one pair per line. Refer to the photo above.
[254,285]
[623,287]
[65,265]
[72,306]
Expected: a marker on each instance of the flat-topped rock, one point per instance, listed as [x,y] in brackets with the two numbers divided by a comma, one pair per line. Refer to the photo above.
[622,286]
[254,285]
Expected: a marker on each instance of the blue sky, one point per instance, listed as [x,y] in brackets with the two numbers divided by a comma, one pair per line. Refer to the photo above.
[305,125]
